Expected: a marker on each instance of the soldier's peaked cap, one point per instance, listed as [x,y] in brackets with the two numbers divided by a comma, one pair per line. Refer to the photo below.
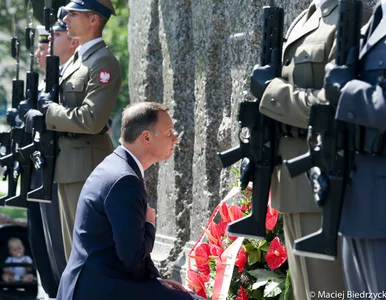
[60,25]
[43,34]
[104,7]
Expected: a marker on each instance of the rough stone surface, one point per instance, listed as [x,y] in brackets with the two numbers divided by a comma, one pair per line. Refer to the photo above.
[196,57]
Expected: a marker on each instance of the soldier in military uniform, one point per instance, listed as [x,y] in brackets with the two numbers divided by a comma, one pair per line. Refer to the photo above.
[36,234]
[64,48]
[89,86]
[45,232]
[42,50]
[310,45]
[362,104]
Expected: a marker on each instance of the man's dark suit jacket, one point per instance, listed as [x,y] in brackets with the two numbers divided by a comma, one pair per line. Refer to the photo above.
[110,257]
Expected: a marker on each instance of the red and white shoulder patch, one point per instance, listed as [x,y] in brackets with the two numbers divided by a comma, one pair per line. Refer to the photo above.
[104,76]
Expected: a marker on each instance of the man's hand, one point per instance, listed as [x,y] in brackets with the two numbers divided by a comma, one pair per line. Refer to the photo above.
[45,99]
[11,116]
[319,184]
[173,285]
[4,173]
[23,108]
[262,76]
[150,215]
[31,114]
[246,173]
[335,79]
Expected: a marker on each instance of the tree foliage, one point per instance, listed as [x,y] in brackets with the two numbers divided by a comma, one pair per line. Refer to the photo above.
[115,35]
[38,6]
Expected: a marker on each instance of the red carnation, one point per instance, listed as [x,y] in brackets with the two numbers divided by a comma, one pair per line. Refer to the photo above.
[276,254]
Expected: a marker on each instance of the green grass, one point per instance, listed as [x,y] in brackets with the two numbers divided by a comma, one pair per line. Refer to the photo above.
[14,212]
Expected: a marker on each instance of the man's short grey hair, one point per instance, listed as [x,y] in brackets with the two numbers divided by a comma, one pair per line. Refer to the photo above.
[138,117]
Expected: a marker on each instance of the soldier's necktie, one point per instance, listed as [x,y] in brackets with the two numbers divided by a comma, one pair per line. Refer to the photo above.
[76,56]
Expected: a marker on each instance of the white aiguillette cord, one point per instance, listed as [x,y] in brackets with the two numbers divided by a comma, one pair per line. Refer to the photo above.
[319,3]
[383,4]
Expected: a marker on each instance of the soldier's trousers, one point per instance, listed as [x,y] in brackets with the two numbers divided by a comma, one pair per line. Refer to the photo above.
[68,200]
[53,234]
[364,267]
[46,238]
[39,249]
[310,276]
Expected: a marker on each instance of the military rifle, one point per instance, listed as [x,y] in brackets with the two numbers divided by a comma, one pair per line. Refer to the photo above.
[43,148]
[258,134]
[10,166]
[330,155]
[20,137]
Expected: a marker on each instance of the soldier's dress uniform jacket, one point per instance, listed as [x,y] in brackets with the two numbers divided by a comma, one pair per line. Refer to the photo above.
[309,47]
[363,105]
[88,90]
[288,99]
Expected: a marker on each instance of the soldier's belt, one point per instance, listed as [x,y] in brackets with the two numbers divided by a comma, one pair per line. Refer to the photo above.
[367,140]
[71,135]
[292,131]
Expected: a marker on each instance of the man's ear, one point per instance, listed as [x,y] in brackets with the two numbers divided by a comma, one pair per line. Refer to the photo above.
[74,43]
[95,20]
[146,136]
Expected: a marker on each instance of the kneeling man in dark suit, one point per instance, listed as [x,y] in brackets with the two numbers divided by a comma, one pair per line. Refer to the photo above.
[114,225]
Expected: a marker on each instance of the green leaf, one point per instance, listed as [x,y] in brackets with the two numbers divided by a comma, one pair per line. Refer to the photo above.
[272,288]
[259,259]
[257,294]
[259,283]
[265,274]
[249,248]
[287,293]
[282,296]
[264,247]
[236,172]
[261,243]
[253,257]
